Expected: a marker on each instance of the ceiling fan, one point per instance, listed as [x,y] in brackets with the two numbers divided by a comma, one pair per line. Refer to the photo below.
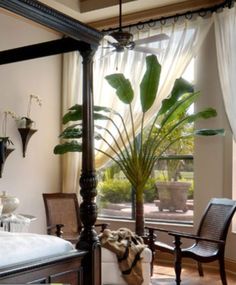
[121,40]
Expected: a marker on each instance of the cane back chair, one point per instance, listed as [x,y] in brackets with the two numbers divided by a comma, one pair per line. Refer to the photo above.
[62,215]
[209,242]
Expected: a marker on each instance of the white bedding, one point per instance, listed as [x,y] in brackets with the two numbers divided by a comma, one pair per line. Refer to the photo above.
[24,247]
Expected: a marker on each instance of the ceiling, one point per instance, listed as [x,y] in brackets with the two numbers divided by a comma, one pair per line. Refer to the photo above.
[96,11]
[102,9]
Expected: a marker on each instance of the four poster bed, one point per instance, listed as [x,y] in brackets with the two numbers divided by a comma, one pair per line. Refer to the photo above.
[83,265]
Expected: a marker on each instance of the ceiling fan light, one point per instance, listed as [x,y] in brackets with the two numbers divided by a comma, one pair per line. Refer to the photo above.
[122,37]
[120,49]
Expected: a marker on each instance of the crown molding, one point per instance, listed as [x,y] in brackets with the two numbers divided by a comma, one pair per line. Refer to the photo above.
[53,19]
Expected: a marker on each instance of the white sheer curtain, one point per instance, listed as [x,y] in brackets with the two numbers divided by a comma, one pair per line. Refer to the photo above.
[71,94]
[225,34]
[183,44]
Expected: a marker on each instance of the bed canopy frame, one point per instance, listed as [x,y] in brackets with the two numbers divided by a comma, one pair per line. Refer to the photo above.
[76,37]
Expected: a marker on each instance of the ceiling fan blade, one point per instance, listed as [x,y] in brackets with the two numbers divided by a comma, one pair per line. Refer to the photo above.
[156,38]
[107,47]
[110,39]
[106,55]
[147,50]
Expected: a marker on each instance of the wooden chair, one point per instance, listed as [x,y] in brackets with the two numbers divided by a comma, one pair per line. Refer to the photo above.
[62,215]
[209,242]
[62,212]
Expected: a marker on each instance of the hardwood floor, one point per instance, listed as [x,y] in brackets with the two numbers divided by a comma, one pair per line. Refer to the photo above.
[164,275]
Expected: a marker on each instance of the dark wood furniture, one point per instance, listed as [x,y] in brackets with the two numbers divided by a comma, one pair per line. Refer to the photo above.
[62,216]
[75,37]
[66,268]
[209,242]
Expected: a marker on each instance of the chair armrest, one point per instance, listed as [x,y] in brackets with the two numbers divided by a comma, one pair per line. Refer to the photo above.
[150,237]
[152,229]
[58,228]
[192,236]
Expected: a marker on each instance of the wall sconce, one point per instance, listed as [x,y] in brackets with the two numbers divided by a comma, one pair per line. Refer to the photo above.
[25,134]
[4,152]
[25,124]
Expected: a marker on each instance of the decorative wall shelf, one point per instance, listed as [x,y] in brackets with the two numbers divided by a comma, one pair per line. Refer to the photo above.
[25,134]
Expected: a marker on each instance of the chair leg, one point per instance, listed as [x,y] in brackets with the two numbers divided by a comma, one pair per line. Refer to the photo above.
[200,269]
[178,257]
[222,271]
[150,241]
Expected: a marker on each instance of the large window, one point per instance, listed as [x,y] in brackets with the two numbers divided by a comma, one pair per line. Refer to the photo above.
[168,195]
[116,196]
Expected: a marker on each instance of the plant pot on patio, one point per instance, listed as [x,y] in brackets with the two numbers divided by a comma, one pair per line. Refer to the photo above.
[173,195]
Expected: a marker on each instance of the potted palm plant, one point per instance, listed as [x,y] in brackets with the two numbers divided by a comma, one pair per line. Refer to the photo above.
[137,158]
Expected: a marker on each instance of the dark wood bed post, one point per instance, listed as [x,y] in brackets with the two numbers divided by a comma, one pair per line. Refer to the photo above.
[88,239]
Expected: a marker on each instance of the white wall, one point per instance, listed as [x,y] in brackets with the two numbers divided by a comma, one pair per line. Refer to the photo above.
[27,178]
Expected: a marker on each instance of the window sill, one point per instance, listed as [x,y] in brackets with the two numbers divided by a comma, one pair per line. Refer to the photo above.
[130,223]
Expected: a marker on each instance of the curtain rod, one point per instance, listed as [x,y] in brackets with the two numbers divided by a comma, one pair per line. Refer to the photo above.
[202,12]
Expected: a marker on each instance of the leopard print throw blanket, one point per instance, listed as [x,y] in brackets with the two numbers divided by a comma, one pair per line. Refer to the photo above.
[127,246]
